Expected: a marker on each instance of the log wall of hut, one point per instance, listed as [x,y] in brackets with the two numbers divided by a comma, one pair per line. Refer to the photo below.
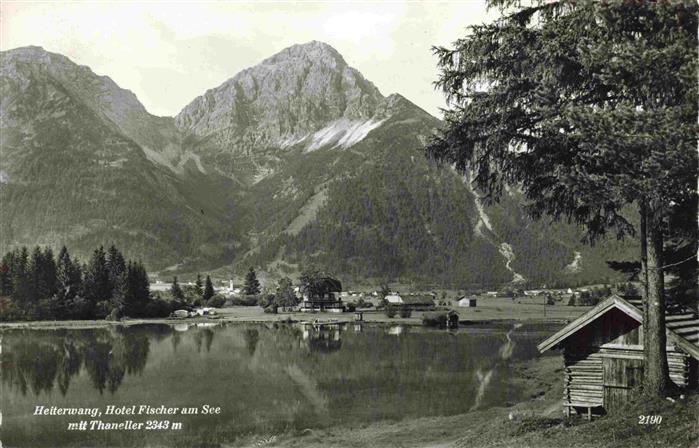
[604,363]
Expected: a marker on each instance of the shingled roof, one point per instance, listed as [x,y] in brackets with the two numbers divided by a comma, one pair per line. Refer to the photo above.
[682,326]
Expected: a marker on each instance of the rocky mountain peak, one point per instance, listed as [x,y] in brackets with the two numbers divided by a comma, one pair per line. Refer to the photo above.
[27,69]
[100,92]
[290,95]
[314,51]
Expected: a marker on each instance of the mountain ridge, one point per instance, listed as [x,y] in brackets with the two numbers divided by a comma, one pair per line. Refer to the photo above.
[337,165]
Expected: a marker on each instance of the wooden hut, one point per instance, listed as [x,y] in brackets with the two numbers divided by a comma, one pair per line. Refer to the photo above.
[603,354]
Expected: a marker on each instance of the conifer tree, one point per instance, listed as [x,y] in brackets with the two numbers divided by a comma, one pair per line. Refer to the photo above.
[116,268]
[589,108]
[48,282]
[252,285]
[96,285]
[6,265]
[21,280]
[69,283]
[208,289]
[137,292]
[176,290]
[198,285]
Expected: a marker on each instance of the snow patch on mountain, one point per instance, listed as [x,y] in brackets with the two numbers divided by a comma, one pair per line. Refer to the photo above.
[289,140]
[342,133]
[261,173]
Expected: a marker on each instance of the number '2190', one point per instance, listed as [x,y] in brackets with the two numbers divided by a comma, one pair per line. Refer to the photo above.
[650,419]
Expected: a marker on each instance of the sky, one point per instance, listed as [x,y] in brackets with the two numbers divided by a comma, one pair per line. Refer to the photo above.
[168,53]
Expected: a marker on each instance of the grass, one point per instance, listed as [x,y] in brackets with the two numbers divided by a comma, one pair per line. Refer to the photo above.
[490,310]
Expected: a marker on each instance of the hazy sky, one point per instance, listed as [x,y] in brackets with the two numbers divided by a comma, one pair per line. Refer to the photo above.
[168,53]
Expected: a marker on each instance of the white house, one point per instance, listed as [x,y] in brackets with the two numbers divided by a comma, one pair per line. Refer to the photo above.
[467,302]
[394,299]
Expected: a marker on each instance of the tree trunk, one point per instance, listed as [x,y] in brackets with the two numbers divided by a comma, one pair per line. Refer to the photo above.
[643,275]
[654,338]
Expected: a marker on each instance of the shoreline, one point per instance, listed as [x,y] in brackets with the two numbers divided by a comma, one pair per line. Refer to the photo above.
[232,315]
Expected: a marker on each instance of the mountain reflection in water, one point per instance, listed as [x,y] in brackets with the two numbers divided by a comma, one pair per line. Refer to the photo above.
[265,377]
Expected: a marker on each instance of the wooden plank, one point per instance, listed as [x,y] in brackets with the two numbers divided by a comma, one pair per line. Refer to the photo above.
[680,323]
[586,393]
[687,330]
[582,359]
[682,369]
[582,399]
[623,356]
[585,386]
[593,400]
[585,390]
[675,317]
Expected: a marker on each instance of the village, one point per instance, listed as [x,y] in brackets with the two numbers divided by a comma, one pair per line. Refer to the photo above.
[601,338]
[507,303]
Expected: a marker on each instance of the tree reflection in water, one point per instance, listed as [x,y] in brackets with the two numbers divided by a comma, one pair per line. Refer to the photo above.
[37,360]
[251,336]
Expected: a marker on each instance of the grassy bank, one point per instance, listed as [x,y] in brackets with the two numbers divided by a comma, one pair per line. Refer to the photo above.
[537,423]
[489,310]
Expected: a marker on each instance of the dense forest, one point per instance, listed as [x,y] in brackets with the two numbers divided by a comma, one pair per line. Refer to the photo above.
[403,219]
[40,286]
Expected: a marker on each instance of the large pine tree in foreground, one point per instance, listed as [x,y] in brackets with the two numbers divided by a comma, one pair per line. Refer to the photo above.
[590,109]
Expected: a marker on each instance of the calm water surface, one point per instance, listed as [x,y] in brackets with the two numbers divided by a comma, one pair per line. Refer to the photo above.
[265,378]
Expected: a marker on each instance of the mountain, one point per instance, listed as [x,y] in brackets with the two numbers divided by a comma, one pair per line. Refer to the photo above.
[298,160]
[76,164]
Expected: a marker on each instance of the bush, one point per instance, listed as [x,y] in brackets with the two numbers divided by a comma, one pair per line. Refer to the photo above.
[351,307]
[102,309]
[266,300]
[8,310]
[158,308]
[216,301]
[390,312]
[405,312]
[434,319]
[247,300]
[271,309]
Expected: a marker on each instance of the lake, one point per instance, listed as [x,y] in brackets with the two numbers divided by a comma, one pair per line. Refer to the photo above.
[265,379]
